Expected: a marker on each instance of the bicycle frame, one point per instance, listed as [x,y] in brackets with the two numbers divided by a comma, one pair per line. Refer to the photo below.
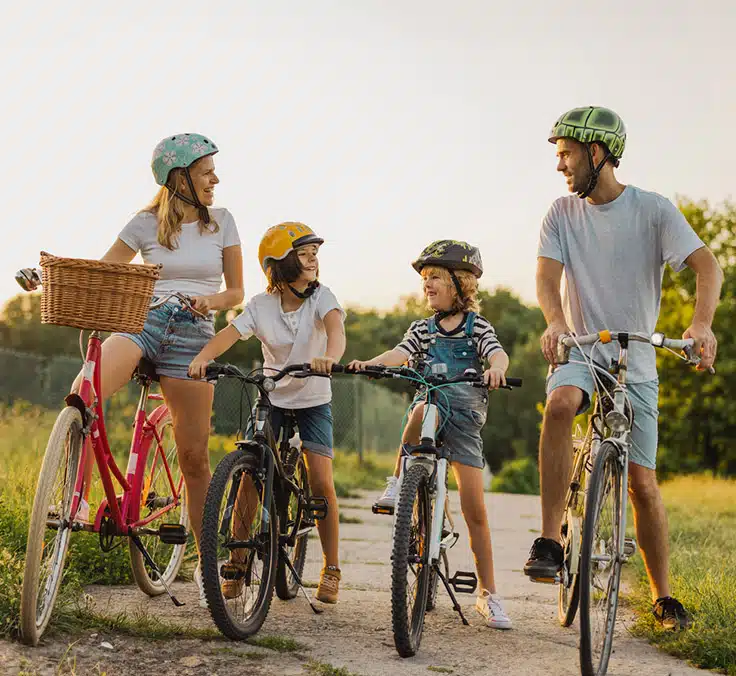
[125,515]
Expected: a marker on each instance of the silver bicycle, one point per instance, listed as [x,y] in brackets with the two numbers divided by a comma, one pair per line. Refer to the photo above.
[594,528]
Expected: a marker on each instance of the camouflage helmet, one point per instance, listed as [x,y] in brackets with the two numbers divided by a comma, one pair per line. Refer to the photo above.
[451,254]
[589,124]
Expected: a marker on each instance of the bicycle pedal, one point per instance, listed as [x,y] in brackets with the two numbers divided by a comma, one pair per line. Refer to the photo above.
[630,547]
[464,582]
[316,508]
[382,509]
[173,534]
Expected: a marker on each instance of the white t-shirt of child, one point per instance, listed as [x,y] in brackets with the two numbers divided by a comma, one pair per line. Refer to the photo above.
[286,341]
[195,266]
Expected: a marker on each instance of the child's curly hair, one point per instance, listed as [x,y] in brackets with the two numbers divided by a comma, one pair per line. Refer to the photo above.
[468,283]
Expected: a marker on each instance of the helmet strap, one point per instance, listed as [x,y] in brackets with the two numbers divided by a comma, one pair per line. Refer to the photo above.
[309,291]
[456,282]
[594,172]
[204,213]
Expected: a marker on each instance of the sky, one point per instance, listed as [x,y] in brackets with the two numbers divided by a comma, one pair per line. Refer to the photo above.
[384,125]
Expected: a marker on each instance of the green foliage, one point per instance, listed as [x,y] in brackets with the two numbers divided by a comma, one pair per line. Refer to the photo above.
[517,476]
[697,410]
[702,519]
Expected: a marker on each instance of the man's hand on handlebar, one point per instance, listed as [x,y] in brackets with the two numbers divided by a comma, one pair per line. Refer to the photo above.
[550,339]
[322,364]
[705,345]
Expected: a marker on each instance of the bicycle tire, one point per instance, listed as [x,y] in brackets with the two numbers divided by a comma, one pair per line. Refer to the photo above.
[156,487]
[35,619]
[286,585]
[245,464]
[606,475]
[414,491]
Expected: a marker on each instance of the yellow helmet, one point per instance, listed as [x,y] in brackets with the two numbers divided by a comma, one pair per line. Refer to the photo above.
[283,238]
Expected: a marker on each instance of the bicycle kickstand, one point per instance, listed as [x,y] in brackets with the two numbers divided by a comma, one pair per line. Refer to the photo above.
[455,604]
[156,570]
[282,553]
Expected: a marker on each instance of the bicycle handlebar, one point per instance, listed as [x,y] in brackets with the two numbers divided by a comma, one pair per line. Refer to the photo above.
[215,371]
[402,372]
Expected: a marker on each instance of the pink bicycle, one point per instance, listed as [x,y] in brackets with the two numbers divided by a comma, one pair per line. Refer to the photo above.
[149,508]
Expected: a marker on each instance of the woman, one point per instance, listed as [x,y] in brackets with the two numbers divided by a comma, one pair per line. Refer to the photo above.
[196,244]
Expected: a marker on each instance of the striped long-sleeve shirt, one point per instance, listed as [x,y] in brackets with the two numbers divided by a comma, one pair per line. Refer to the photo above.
[416,339]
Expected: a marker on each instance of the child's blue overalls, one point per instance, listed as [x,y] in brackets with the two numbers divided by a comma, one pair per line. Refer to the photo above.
[460,433]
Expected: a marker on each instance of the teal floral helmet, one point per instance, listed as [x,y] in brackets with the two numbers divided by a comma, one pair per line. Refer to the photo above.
[180,152]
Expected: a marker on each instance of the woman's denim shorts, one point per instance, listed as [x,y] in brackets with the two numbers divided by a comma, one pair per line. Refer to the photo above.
[171,338]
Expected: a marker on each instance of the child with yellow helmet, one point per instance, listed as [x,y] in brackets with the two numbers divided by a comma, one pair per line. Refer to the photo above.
[297,320]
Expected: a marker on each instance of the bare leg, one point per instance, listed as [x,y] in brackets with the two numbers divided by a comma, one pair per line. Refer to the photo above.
[555,456]
[190,403]
[319,472]
[472,502]
[650,521]
[411,433]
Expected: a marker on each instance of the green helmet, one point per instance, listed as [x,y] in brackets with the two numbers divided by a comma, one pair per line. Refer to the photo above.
[451,254]
[179,151]
[592,123]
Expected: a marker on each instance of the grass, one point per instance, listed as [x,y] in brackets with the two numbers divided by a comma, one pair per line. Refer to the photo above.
[323,669]
[343,518]
[702,519]
[281,644]
[440,670]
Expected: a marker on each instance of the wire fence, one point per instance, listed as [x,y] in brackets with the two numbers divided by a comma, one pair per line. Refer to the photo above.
[367,417]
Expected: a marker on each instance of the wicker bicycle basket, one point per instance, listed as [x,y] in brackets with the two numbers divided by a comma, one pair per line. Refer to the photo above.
[96,295]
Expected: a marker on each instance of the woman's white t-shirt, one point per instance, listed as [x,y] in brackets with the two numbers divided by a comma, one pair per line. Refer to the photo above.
[195,266]
[291,338]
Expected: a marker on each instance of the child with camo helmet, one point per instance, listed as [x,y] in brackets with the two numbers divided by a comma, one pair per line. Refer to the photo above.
[459,337]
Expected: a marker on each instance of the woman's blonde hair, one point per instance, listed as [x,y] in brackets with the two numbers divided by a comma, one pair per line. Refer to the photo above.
[169,212]
[468,283]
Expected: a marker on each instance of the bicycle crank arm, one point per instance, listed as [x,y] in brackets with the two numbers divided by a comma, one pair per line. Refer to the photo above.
[155,569]
[283,555]
[455,604]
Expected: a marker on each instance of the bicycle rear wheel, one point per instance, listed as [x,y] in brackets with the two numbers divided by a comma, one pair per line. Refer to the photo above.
[50,525]
[600,563]
[239,546]
[286,584]
[156,494]
[410,569]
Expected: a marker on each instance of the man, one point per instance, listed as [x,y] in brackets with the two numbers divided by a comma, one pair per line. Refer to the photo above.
[611,241]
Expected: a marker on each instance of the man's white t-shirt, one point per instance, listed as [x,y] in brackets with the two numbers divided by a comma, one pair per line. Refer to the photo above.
[291,338]
[614,256]
[195,266]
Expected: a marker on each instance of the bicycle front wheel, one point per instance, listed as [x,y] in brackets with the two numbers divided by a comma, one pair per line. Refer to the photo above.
[286,584]
[239,546]
[600,562]
[50,525]
[410,566]
[163,488]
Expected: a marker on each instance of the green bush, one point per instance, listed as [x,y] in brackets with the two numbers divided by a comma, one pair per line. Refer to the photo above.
[517,476]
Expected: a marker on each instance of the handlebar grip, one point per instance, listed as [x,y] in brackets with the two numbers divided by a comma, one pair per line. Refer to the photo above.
[339,368]
[514,382]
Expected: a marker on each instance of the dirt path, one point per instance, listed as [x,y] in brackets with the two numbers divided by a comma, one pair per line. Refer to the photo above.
[356,634]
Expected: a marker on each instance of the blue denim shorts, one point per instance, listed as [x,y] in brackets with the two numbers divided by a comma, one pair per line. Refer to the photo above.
[171,338]
[314,425]
[643,397]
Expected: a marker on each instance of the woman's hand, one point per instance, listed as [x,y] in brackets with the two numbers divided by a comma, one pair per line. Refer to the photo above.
[201,304]
[322,364]
[494,377]
[198,367]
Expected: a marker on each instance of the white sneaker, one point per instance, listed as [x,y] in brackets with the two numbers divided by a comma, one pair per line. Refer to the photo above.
[388,499]
[489,606]
[200,586]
